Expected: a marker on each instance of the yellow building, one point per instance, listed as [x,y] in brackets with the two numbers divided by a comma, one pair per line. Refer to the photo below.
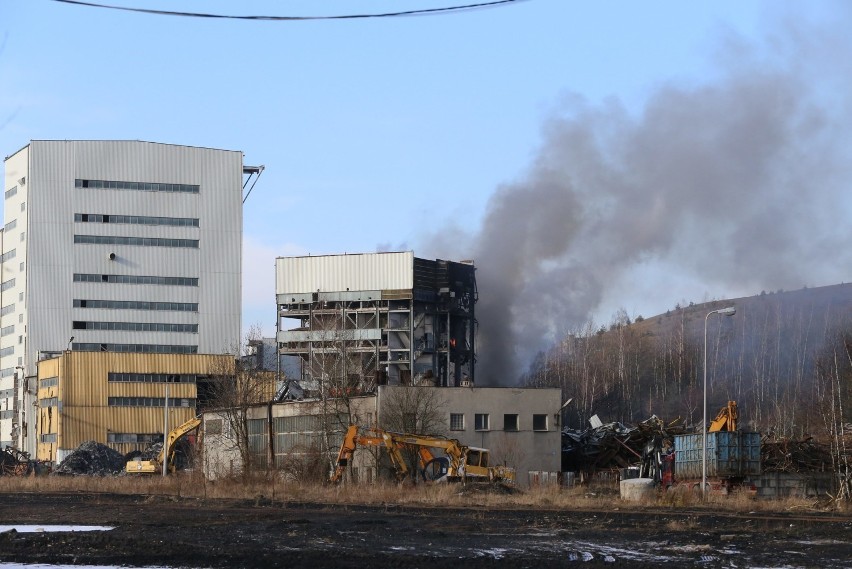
[118,399]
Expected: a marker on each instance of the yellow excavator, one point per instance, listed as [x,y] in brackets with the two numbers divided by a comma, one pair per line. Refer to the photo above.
[155,466]
[457,463]
[726,420]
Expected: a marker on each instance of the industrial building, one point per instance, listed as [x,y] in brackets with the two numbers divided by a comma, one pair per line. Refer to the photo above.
[119,399]
[519,426]
[114,246]
[362,320]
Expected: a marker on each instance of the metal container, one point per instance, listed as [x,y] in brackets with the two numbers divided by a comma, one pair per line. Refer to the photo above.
[730,454]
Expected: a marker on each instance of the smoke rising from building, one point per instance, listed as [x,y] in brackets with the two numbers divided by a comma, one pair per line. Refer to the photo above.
[740,183]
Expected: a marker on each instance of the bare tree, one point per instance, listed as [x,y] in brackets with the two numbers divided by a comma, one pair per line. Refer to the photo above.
[231,389]
[508,451]
[416,410]
[331,382]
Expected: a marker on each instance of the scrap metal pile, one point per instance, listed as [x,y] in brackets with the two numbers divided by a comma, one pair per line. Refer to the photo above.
[614,445]
[14,462]
[94,459]
[786,455]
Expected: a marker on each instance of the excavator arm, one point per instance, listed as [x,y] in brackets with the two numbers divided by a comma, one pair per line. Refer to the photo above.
[353,439]
[139,466]
[726,420]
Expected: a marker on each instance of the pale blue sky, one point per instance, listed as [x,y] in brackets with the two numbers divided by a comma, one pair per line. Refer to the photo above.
[374,133]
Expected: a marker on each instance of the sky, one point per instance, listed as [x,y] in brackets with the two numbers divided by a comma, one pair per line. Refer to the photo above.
[590,157]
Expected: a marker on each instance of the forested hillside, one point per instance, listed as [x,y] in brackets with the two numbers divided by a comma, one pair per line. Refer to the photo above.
[785,357]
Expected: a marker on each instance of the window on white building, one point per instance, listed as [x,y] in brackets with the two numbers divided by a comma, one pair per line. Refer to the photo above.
[510,422]
[481,422]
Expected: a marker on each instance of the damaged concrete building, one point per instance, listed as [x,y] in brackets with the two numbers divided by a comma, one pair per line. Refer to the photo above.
[358,321]
[520,427]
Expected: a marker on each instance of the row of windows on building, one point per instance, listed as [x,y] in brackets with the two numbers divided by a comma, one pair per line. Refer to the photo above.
[122,279]
[128,377]
[138,241]
[150,402]
[48,382]
[134,305]
[135,326]
[134,348]
[293,435]
[135,279]
[139,186]
[146,438]
[136,220]
[511,422]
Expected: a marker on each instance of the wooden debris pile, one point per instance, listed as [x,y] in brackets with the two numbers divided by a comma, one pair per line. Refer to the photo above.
[788,455]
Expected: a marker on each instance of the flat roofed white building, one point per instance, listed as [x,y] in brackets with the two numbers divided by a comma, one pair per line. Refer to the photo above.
[123,246]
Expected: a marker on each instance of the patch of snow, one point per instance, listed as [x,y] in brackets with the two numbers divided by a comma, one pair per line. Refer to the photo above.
[51,528]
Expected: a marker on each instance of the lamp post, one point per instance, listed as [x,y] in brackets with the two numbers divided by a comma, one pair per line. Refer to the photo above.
[729,311]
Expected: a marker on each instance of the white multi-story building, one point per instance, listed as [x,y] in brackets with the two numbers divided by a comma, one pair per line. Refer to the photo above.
[122,246]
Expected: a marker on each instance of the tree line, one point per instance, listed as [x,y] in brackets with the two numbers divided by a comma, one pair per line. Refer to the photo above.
[786,359]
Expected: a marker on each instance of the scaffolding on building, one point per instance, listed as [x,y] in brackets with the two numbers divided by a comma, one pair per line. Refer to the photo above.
[353,339]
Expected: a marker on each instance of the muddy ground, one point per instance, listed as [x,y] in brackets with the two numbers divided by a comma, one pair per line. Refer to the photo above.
[215,533]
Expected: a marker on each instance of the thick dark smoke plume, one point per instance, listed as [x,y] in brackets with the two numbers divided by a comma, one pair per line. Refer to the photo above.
[743,184]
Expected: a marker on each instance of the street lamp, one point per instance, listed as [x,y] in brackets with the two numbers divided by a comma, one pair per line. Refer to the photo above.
[729,311]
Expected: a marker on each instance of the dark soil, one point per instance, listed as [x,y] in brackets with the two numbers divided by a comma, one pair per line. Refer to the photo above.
[216,533]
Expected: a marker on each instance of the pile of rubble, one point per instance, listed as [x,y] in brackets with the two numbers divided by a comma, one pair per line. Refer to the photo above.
[786,455]
[94,459]
[14,462]
[614,445]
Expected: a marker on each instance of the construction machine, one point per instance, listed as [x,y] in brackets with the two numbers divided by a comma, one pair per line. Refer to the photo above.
[155,465]
[457,463]
[726,420]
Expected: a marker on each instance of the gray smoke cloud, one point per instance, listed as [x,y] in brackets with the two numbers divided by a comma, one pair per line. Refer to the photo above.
[740,183]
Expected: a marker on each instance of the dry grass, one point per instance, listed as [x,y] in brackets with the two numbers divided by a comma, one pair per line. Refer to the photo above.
[261,489]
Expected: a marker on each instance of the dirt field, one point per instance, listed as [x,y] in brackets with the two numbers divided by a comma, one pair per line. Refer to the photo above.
[220,533]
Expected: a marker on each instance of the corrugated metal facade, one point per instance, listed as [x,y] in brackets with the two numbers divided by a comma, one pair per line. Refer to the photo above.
[15,217]
[81,411]
[337,273]
[45,207]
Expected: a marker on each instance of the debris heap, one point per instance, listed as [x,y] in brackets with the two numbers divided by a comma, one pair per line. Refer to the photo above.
[787,455]
[94,459]
[614,445]
[14,462]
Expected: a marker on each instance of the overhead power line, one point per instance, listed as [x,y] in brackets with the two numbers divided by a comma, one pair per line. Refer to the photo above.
[420,12]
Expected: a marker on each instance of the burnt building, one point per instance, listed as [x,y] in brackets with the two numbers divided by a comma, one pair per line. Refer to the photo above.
[362,320]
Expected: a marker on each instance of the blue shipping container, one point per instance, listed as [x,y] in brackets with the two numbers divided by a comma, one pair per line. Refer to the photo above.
[730,454]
